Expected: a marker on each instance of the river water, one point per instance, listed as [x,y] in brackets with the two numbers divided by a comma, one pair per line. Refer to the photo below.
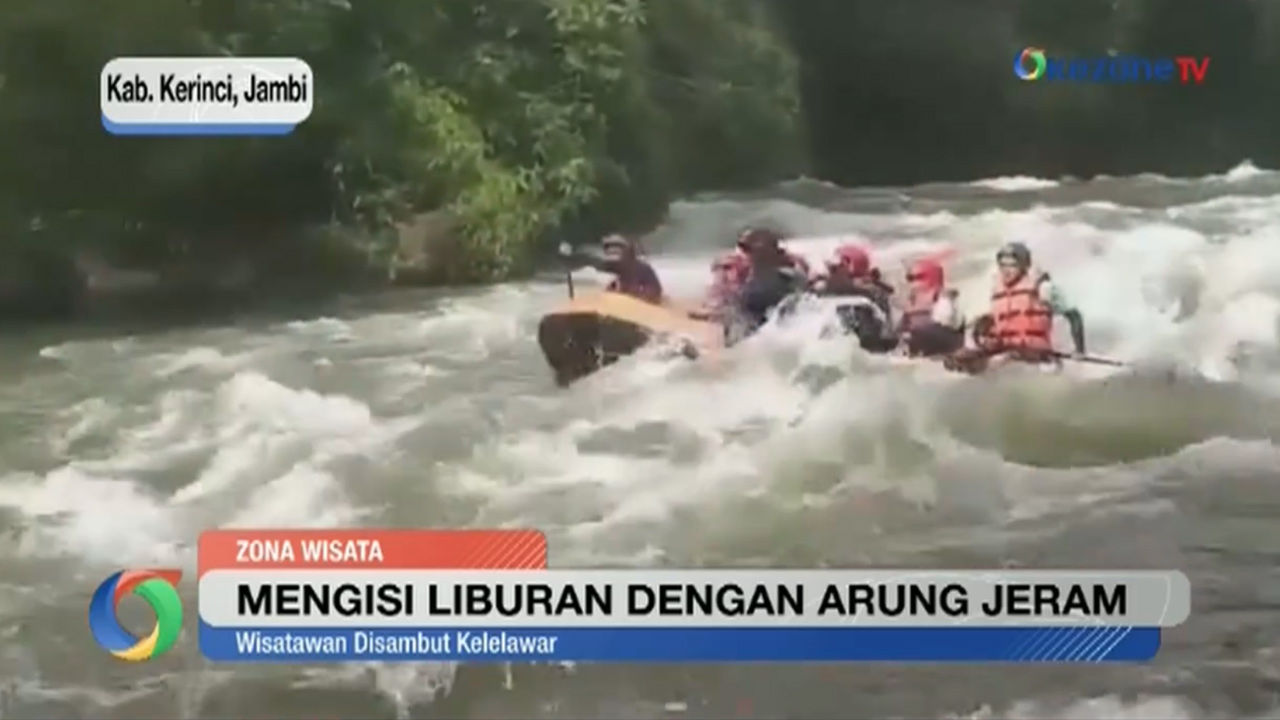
[437,410]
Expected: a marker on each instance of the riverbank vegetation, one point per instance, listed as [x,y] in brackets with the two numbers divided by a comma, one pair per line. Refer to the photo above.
[449,140]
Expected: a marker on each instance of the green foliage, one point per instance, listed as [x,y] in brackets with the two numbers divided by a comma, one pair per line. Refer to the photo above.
[520,118]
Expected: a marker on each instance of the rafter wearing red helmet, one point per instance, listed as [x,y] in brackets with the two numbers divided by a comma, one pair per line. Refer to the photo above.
[851,273]
[932,324]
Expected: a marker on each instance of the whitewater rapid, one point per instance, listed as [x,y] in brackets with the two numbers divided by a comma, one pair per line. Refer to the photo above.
[436,409]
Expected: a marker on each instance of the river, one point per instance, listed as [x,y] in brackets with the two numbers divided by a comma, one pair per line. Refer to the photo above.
[422,409]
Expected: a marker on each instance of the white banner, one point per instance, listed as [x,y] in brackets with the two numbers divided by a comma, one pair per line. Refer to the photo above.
[205,95]
[690,598]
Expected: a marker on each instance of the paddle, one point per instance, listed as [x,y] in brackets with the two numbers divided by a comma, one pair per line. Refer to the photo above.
[566,252]
[946,252]
[1091,359]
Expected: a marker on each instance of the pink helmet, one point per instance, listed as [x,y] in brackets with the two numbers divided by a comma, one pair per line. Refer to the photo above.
[854,259]
[927,272]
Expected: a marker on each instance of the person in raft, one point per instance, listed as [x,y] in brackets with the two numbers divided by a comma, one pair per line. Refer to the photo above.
[728,273]
[750,236]
[1019,326]
[932,324]
[620,256]
[773,276]
[850,273]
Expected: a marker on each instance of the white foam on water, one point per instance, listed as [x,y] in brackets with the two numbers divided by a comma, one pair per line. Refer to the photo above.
[199,358]
[1153,289]
[1106,707]
[262,441]
[96,517]
[1015,183]
[1244,172]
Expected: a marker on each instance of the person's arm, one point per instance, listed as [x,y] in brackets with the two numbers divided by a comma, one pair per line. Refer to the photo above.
[877,279]
[1061,305]
[902,327]
[1076,321]
[651,282]
[981,330]
[590,258]
[795,277]
[946,314]
[960,322]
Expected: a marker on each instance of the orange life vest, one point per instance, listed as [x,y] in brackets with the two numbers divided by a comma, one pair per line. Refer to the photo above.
[920,302]
[1021,318]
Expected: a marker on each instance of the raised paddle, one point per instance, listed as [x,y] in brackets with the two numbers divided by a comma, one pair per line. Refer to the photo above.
[566,252]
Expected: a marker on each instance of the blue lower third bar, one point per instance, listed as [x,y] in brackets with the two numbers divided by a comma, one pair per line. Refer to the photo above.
[848,644]
[198,129]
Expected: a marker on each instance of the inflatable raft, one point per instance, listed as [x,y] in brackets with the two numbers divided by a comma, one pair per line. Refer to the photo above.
[595,330]
[856,316]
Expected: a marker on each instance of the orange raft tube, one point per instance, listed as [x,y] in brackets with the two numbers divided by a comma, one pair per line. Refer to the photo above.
[595,330]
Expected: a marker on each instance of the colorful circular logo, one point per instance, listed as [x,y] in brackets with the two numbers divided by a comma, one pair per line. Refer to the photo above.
[157,587]
[1030,64]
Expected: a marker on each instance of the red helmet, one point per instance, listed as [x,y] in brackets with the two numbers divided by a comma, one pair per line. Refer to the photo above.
[928,273]
[854,259]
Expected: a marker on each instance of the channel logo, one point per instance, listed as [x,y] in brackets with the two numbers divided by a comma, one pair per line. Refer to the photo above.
[1034,63]
[1030,64]
[159,589]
